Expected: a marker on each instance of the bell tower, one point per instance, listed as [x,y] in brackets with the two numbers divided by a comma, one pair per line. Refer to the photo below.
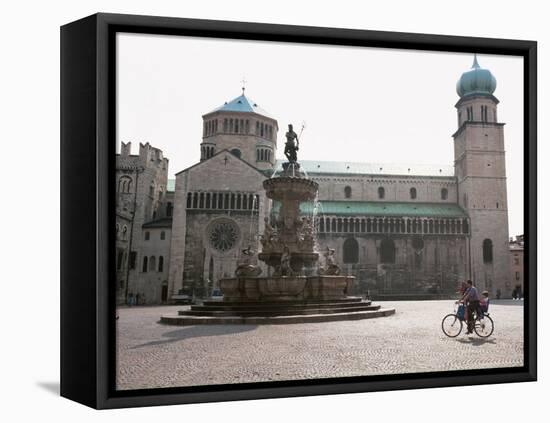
[481,176]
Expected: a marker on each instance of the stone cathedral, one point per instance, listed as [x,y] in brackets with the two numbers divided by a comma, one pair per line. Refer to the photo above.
[403,231]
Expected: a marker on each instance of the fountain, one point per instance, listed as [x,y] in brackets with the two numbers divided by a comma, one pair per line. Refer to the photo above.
[291,292]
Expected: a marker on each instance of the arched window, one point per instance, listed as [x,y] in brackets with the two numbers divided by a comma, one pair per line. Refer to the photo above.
[444,194]
[387,251]
[487,251]
[236,152]
[144,267]
[381,192]
[152,263]
[413,193]
[124,184]
[347,192]
[351,251]
[119,259]
[161,263]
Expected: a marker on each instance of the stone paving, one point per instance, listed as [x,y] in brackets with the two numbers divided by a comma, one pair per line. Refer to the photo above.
[151,355]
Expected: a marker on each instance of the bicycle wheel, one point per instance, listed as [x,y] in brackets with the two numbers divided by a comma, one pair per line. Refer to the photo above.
[485,327]
[451,325]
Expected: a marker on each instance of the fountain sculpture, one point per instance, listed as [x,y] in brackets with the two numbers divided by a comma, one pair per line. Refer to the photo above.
[291,292]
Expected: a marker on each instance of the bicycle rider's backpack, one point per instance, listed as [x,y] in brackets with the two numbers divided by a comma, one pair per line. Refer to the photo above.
[460,312]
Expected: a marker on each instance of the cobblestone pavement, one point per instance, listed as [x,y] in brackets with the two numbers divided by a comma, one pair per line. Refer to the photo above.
[152,355]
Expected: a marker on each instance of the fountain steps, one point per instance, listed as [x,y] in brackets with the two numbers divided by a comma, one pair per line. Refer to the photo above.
[276,312]
[273,320]
[287,303]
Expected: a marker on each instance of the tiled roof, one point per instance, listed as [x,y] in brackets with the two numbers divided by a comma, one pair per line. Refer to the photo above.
[242,104]
[312,167]
[372,208]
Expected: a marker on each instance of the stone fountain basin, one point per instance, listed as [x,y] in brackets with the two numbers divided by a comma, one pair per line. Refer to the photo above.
[290,188]
[286,288]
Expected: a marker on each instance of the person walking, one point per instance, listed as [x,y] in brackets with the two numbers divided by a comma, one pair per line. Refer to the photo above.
[471,300]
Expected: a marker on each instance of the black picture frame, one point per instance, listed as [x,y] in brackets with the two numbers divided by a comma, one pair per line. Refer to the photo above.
[87,204]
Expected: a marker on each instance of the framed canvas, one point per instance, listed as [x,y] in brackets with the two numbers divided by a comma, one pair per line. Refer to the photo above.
[216,247]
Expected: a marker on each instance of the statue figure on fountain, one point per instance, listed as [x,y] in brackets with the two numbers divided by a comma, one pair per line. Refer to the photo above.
[269,235]
[286,270]
[331,268]
[290,146]
[245,268]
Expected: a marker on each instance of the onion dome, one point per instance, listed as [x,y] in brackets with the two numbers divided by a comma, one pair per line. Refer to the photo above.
[476,81]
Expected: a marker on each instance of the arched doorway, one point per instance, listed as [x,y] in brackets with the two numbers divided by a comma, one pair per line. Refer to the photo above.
[487,251]
[164,292]
[351,251]
[387,251]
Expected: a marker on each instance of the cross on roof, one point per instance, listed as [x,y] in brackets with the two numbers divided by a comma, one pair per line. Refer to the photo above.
[244,81]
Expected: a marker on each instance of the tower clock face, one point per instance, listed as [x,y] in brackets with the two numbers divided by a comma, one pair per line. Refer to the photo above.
[223,234]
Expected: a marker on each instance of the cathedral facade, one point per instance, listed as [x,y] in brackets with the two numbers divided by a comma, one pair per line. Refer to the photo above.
[401,230]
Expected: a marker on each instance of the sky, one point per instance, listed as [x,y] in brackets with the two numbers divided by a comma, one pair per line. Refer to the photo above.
[358,104]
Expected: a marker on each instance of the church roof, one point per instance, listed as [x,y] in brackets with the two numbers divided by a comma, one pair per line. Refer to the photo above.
[242,104]
[356,168]
[378,208]
[163,222]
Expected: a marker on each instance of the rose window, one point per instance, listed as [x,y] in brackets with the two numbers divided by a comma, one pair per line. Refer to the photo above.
[224,235]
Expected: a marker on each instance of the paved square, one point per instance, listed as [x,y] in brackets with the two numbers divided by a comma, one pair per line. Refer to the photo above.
[151,355]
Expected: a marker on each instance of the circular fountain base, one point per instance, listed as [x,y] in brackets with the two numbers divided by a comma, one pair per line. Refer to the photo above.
[281,300]
[287,288]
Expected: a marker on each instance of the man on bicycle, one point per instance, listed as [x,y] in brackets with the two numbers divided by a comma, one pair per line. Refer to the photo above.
[471,300]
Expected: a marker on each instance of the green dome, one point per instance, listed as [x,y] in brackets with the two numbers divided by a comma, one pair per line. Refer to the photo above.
[476,81]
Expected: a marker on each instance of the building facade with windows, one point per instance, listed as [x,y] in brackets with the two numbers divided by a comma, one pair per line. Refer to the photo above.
[144,203]
[401,230]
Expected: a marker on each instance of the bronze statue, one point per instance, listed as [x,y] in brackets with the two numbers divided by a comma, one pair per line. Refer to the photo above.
[290,147]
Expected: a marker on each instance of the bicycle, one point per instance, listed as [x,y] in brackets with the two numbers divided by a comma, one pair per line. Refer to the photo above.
[452,323]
